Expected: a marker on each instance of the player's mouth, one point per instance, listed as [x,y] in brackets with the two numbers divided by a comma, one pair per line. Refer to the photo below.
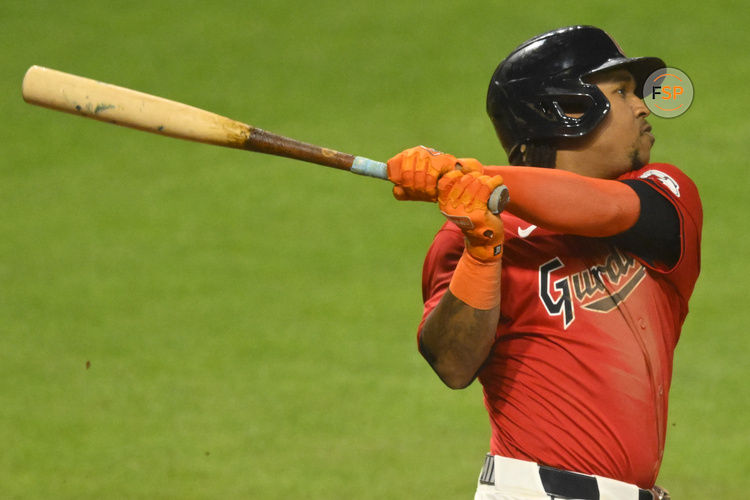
[646,130]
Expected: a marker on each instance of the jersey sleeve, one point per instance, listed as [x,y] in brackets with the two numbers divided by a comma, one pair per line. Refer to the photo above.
[439,264]
[682,193]
[655,237]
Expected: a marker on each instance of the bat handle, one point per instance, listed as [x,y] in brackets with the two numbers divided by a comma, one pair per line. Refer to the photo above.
[371,168]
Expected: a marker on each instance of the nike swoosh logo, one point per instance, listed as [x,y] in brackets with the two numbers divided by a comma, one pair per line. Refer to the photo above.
[525,232]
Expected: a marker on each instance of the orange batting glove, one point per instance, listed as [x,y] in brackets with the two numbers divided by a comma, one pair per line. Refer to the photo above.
[416,172]
[463,200]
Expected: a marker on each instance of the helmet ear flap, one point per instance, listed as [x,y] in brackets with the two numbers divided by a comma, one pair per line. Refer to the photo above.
[576,112]
[569,110]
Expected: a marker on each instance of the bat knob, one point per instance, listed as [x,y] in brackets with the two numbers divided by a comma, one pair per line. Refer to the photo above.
[498,200]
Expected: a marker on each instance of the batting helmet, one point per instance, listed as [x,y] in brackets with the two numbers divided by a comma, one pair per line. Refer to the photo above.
[542,80]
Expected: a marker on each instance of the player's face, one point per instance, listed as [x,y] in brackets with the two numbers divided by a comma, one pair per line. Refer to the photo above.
[622,141]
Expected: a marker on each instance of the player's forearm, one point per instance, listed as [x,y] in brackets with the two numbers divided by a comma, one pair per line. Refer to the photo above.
[567,202]
[456,339]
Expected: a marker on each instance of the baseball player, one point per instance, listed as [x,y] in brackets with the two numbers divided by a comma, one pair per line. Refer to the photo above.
[567,306]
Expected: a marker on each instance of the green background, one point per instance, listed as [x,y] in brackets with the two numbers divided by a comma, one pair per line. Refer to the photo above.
[186,321]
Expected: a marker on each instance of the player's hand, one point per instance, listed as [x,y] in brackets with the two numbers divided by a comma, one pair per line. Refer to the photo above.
[416,172]
[463,200]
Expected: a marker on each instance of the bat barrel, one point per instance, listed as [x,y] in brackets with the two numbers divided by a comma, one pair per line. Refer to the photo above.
[129,108]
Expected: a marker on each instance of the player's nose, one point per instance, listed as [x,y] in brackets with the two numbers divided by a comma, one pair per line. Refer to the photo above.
[640,109]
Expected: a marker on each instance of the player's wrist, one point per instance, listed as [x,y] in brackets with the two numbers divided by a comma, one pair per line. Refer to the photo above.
[477,283]
[485,243]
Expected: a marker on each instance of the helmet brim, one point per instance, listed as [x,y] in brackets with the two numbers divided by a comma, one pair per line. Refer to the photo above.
[640,67]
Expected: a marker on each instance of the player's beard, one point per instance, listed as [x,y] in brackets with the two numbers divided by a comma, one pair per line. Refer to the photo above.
[640,154]
[635,160]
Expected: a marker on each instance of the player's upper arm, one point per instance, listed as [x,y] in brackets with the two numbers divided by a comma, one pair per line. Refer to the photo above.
[680,259]
[439,265]
[655,237]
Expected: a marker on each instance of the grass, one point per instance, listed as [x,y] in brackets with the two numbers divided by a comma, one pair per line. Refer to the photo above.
[185,321]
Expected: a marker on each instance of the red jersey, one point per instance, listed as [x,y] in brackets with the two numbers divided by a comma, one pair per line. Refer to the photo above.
[579,375]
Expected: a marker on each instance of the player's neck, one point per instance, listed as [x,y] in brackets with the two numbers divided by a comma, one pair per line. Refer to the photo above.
[587,163]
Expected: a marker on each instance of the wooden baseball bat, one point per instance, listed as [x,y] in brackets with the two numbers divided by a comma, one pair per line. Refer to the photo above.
[129,108]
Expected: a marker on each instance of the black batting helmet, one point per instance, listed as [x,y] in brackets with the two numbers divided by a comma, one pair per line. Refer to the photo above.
[543,78]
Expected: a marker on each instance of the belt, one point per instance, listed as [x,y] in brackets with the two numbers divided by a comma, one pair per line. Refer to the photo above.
[559,483]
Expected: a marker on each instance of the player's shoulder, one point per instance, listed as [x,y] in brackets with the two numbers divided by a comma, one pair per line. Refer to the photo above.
[668,178]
